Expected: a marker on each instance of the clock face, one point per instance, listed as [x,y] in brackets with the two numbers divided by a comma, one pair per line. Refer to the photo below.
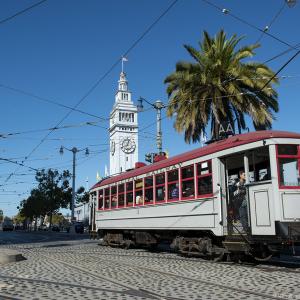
[128,145]
[112,147]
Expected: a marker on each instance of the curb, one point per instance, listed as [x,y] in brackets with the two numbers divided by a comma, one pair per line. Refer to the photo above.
[8,256]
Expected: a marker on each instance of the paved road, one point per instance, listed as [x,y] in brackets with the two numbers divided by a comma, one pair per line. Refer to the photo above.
[60,266]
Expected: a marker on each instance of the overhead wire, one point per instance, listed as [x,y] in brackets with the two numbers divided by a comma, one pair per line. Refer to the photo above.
[229,13]
[21,12]
[93,87]
[43,99]
[6,135]
[267,28]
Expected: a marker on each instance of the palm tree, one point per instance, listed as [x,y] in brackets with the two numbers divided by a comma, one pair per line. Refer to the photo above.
[219,87]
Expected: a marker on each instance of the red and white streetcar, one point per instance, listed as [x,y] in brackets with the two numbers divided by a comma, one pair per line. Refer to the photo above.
[196,200]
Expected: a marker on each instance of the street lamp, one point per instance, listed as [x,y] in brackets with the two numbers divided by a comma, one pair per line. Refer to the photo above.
[158,106]
[74,150]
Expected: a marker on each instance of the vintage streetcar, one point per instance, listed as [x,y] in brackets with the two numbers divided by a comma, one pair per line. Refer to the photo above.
[239,196]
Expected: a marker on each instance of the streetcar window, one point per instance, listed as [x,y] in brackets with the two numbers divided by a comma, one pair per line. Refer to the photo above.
[139,199]
[259,164]
[114,198]
[173,175]
[160,187]
[149,181]
[139,184]
[107,198]
[148,190]
[173,185]
[121,195]
[204,179]
[187,172]
[160,179]
[287,149]
[288,171]
[100,199]
[129,193]
[121,188]
[289,165]
[129,186]
[121,200]
[114,190]
[187,182]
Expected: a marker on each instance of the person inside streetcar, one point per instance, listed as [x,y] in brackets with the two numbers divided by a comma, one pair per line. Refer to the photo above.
[240,201]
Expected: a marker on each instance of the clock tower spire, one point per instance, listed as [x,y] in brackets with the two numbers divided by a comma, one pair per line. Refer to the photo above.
[123,130]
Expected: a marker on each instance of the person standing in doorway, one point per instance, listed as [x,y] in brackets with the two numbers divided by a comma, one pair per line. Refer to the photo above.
[241,200]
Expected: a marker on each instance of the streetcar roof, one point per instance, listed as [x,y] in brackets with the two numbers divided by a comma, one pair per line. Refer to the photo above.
[224,144]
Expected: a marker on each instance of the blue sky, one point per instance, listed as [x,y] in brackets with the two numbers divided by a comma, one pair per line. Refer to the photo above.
[59,49]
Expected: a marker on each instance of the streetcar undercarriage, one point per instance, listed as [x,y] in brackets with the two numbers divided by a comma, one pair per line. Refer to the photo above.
[197,244]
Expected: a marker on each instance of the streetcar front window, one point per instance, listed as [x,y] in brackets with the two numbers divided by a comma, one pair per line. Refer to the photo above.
[259,164]
[288,157]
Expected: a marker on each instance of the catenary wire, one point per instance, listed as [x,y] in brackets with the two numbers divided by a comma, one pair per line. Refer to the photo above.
[43,99]
[21,12]
[6,135]
[135,43]
[227,12]
[267,28]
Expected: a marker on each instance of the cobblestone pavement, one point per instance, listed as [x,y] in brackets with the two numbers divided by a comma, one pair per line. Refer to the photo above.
[81,269]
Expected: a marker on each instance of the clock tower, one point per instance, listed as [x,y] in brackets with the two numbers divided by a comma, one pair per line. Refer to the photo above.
[123,130]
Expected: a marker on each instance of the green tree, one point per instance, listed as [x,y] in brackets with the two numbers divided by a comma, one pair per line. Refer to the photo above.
[220,87]
[19,219]
[58,219]
[55,190]
[82,196]
[52,193]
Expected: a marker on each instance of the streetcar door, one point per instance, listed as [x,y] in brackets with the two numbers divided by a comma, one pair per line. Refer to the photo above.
[249,193]
[236,195]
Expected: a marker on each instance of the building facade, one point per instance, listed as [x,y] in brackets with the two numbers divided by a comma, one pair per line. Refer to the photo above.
[82,212]
[123,130]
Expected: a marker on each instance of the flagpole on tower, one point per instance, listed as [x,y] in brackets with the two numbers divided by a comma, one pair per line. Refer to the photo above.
[123,59]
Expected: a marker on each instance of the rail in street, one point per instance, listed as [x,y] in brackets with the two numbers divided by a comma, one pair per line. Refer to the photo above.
[63,267]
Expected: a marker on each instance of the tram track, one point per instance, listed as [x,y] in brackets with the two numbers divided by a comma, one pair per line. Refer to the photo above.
[132,290]
[153,295]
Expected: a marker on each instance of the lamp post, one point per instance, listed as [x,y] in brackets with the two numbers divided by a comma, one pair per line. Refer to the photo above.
[158,106]
[74,150]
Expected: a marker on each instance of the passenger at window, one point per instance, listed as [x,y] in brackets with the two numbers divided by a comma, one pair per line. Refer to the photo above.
[114,201]
[175,192]
[188,192]
[138,200]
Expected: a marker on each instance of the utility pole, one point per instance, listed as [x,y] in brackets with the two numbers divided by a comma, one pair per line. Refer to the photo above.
[158,106]
[74,150]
